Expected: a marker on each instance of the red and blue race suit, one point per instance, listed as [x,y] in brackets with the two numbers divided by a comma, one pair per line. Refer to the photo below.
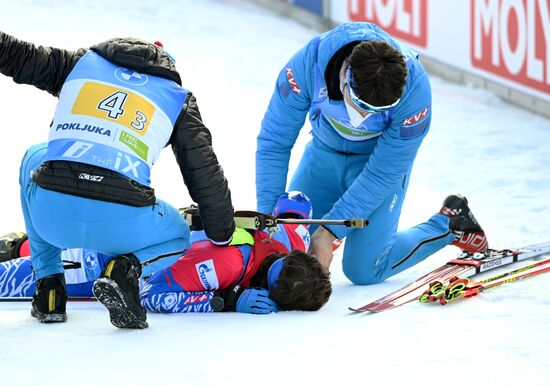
[189,284]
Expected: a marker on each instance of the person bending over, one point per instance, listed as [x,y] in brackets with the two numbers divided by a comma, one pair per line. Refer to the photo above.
[120,103]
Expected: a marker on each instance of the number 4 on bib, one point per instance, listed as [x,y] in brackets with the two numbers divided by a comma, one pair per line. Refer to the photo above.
[113,104]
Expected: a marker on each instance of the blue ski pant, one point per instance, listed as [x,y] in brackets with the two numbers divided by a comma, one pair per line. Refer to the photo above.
[57,221]
[374,253]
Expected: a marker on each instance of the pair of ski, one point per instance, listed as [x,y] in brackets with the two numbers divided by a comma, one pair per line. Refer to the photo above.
[465,265]
[459,288]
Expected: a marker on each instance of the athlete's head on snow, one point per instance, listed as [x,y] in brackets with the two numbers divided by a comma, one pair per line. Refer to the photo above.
[295,281]
[293,204]
[372,79]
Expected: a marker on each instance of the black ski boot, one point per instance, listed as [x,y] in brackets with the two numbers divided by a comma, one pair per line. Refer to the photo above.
[118,290]
[10,245]
[463,223]
[50,299]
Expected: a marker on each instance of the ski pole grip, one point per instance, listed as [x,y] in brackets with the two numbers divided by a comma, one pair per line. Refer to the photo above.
[192,216]
[356,223]
[252,223]
[248,219]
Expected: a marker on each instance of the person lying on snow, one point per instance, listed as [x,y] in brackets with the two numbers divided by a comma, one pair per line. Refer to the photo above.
[261,272]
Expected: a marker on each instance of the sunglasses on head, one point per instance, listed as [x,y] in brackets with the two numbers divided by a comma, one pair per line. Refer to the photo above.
[361,104]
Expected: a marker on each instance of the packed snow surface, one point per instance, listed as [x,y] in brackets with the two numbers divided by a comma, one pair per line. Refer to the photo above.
[229,54]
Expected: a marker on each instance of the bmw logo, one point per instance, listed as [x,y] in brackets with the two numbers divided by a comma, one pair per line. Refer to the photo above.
[90,260]
[132,77]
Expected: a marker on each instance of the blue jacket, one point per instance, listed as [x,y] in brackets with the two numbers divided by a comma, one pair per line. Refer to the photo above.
[391,138]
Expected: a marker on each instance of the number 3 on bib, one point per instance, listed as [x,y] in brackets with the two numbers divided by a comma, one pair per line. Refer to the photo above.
[140,121]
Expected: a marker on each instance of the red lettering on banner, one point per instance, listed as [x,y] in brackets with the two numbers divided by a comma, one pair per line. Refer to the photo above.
[511,39]
[403,19]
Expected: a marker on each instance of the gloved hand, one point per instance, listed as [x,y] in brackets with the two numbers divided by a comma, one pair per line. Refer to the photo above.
[256,301]
[241,299]
[241,237]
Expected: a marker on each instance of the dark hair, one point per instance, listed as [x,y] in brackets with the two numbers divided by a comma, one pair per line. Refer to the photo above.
[378,72]
[303,284]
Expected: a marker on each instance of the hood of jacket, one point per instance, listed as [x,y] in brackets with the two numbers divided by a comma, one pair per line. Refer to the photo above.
[140,56]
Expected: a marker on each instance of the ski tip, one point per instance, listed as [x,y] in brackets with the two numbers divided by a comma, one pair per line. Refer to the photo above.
[358,310]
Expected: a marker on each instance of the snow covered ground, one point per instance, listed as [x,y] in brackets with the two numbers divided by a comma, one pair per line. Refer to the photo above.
[229,53]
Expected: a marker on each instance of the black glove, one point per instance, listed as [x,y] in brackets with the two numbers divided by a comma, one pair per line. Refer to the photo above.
[10,245]
[226,299]
[242,299]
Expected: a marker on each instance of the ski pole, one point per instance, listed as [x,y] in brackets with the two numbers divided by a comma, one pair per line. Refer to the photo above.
[262,221]
[350,223]
[248,219]
[496,283]
[515,271]
[459,288]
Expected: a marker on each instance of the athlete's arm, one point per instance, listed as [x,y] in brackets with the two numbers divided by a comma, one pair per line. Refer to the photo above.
[43,67]
[237,299]
[281,126]
[192,146]
[177,302]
